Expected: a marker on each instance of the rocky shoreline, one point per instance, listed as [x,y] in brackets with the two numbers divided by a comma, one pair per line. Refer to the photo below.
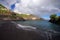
[9,31]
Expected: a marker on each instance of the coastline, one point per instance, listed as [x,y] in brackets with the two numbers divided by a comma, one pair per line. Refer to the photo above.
[9,30]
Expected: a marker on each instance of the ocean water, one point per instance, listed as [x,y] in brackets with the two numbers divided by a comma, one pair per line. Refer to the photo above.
[23,29]
[39,24]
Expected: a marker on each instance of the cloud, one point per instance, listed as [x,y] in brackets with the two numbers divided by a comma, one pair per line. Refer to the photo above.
[36,7]
[7,3]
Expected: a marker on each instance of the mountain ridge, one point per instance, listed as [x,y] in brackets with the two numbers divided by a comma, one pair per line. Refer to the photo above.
[10,15]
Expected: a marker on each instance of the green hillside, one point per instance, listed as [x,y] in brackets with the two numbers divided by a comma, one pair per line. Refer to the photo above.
[3,10]
[1,6]
[6,13]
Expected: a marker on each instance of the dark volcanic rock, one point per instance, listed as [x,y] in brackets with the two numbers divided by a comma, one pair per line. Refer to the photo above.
[9,31]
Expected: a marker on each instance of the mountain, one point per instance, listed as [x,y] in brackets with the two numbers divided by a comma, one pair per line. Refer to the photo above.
[4,10]
[7,14]
[1,6]
[29,16]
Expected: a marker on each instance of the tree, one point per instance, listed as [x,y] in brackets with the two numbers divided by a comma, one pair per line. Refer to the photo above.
[58,21]
[53,18]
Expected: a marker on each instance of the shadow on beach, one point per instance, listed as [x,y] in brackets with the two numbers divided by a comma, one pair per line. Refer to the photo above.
[9,31]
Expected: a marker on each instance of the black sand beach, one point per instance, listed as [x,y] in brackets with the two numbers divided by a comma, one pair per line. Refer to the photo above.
[9,31]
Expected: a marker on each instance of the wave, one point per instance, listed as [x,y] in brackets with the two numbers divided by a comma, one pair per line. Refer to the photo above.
[24,26]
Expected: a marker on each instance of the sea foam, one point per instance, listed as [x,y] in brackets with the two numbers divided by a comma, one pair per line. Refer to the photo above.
[24,26]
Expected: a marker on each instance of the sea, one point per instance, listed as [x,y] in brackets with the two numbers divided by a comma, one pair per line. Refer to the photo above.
[39,24]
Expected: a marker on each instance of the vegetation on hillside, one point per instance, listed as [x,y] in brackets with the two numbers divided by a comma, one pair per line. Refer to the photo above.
[1,6]
[3,10]
[55,19]
[6,13]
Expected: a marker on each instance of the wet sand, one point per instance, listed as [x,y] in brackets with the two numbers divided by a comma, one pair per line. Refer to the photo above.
[9,31]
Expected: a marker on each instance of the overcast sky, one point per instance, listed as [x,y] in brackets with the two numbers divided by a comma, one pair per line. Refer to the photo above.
[41,8]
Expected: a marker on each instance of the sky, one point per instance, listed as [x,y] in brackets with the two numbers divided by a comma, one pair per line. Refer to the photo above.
[40,8]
